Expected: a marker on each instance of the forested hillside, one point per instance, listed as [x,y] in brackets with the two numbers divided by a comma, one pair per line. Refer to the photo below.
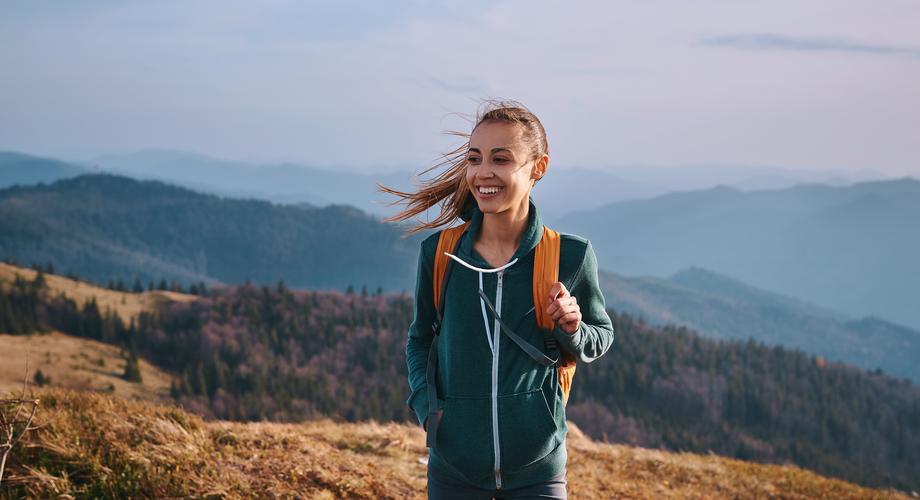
[253,352]
[106,227]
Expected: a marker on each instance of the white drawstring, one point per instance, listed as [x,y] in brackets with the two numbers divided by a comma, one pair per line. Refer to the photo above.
[474,268]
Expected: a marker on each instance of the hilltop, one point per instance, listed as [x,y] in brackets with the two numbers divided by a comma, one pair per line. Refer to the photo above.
[126,305]
[98,445]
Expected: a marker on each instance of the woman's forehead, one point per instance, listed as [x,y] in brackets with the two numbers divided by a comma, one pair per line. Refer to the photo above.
[496,134]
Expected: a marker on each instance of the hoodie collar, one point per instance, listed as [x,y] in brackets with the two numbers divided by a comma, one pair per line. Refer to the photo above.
[532,233]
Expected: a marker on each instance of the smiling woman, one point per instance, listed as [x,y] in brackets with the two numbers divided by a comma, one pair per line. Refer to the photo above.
[494,411]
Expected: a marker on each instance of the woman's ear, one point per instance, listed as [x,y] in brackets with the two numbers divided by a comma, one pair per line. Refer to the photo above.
[539,167]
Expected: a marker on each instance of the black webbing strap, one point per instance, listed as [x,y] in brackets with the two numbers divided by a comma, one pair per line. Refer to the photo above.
[532,351]
[431,375]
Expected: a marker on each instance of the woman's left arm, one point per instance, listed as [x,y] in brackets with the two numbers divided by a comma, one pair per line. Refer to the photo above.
[593,335]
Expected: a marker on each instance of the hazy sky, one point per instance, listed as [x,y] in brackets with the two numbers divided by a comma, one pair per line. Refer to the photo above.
[816,84]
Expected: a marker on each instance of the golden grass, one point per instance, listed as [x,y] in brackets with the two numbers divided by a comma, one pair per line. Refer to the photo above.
[76,363]
[127,305]
[97,445]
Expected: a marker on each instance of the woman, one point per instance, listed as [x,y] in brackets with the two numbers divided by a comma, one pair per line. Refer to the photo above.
[499,425]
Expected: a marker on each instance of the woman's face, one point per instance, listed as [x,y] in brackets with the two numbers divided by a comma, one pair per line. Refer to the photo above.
[500,171]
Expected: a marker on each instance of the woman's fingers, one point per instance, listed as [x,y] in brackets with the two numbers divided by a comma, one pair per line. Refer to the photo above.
[562,307]
[570,317]
[558,298]
[556,291]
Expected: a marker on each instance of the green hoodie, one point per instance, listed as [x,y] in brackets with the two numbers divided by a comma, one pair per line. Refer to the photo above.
[503,423]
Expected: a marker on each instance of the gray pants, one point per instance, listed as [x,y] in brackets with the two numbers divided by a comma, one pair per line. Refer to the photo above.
[441,487]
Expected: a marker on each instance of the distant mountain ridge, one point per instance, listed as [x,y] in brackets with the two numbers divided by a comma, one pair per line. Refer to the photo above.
[722,308]
[291,183]
[24,170]
[853,249]
[105,227]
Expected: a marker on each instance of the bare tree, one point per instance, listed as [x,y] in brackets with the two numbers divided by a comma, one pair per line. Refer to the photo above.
[14,424]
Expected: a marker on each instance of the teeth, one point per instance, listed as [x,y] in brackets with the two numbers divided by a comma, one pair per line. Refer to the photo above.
[489,190]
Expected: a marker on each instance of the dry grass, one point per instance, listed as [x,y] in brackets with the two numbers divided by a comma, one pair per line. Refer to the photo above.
[96,445]
[76,363]
[126,305]
[600,470]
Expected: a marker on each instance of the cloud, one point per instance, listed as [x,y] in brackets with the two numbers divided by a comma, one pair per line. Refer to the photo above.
[770,41]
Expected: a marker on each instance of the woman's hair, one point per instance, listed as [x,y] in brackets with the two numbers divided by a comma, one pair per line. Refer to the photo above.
[449,188]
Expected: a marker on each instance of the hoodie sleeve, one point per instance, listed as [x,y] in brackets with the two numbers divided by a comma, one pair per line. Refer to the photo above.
[594,335]
[420,335]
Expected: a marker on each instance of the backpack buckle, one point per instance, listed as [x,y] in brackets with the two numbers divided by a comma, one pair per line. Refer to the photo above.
[436,327]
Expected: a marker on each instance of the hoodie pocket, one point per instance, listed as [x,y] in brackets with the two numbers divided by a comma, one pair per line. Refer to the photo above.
[527,429]
[464,438]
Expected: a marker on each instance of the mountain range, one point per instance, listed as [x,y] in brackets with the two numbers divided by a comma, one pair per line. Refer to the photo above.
[853,248]
[720,307]
[103,226]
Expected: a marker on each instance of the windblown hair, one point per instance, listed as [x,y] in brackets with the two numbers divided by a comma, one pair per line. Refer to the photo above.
[449,188]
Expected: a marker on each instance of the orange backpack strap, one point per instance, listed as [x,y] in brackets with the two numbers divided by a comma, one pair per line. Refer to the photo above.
[545,273]
[447,242]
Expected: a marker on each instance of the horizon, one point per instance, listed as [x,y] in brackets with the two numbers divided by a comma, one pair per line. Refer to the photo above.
[95,162]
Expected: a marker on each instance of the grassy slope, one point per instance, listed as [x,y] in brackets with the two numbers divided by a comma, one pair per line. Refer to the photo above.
[126,304]
[97,445]
[76,363]
[80,363]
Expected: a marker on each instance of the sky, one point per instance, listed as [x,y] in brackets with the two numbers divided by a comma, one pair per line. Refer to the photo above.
[373,85]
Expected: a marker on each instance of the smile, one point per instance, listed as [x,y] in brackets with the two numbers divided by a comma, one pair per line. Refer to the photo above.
[489,190]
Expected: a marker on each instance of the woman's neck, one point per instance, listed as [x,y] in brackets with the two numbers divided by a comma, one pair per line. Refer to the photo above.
[502,232]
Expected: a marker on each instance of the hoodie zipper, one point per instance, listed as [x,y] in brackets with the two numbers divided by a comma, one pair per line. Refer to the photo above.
[495,341]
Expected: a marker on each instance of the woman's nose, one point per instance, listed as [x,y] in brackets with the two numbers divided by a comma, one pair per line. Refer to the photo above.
[485,171]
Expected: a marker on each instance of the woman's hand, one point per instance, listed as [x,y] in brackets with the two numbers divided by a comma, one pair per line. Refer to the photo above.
[563,308]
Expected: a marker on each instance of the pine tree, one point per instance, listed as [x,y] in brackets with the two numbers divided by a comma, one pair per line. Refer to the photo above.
[41,379]
[132,368]
[39,280]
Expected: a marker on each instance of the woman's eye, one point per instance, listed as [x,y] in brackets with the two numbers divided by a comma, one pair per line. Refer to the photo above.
[473,159]
[501,160]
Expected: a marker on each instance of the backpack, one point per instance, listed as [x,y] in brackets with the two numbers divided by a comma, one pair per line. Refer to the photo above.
[545,273]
